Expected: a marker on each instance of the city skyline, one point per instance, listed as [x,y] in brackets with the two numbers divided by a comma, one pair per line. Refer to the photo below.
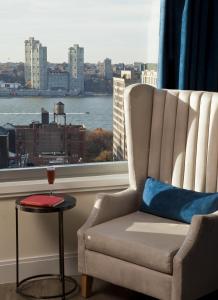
[132,28]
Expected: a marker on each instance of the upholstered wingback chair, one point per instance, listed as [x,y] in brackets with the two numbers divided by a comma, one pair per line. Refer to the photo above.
[172,136]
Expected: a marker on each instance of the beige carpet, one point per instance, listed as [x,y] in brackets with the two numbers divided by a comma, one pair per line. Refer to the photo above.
[101,291]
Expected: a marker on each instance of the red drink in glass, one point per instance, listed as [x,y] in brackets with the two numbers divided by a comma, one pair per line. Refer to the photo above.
[51,174]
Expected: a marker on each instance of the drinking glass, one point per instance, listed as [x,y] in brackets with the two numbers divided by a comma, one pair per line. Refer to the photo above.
[51,176]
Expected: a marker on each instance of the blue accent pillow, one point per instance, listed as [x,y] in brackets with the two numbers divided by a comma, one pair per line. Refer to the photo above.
[170,202]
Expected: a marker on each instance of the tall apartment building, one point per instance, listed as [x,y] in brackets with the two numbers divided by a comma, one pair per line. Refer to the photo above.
[119,131]
[76,68]
[105,69]
[108,69]
[119,134]
[35,64]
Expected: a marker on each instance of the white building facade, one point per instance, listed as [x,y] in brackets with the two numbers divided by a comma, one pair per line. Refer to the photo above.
[126,74]
[149,77]
[119,130]
[10,85]
[35,64]
[76,68]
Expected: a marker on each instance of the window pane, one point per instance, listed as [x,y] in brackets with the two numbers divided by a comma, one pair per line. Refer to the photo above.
[64,65]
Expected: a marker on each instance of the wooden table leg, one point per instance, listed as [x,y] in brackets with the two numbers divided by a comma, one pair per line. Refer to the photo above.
[86,285]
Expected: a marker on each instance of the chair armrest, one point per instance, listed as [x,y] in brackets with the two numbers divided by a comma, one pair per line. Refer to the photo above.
[195,266]
[106,207]
[110,206]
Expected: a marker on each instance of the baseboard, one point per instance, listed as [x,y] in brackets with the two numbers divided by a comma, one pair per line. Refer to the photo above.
[30,266]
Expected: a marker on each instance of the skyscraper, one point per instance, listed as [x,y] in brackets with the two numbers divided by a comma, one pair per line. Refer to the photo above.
[35,64]
[108,69]
[105,69]
[76,68]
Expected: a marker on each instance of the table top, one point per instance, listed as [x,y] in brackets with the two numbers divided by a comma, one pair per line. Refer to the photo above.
[69,202]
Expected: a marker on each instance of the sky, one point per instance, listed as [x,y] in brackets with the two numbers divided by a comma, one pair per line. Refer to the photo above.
[123,30]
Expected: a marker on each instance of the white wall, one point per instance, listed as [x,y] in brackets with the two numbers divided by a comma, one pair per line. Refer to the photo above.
[39,238]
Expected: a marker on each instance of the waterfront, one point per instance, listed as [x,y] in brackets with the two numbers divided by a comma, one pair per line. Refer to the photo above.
[93,112]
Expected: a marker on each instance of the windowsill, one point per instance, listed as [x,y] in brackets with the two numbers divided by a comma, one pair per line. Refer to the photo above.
[67,185]
[65,171]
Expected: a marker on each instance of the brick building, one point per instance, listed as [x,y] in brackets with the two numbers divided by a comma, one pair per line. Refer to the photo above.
[42,144]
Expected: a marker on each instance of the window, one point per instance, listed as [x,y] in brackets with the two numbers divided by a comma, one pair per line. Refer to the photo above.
[95,48]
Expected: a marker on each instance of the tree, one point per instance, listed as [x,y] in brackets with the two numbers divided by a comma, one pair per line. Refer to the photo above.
[99,144]
[105,155]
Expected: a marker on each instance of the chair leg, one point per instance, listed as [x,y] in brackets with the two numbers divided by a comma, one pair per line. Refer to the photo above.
[86,285]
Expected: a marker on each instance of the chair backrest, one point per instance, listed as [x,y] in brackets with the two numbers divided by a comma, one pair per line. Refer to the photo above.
[172,136]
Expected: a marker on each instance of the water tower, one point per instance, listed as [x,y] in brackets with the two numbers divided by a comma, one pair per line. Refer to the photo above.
[44,116]
[59,114]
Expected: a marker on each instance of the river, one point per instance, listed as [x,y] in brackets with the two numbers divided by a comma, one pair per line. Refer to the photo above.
[93,112]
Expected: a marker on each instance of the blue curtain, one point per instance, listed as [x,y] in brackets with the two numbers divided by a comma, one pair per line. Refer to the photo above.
[188,51]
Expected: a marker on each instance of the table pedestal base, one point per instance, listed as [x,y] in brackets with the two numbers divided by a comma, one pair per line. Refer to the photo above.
[23,283]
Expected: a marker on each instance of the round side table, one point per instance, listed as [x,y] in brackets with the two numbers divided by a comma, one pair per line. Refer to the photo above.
[69,202]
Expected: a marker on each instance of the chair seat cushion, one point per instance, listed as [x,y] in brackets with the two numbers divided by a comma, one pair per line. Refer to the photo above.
[139,238]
